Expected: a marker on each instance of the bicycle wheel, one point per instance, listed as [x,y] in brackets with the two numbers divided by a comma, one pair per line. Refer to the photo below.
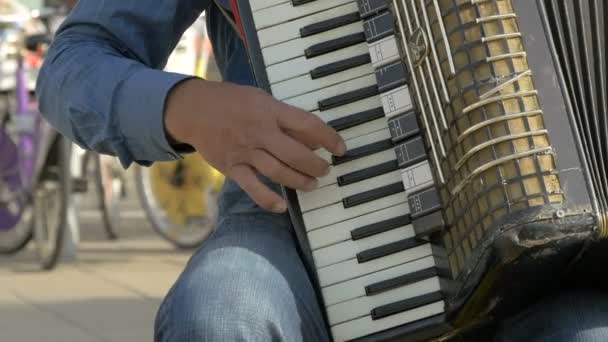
[51,204]
[15,204]
[17,225]
[180,199]
[111,191]
[15,239]
[19,214]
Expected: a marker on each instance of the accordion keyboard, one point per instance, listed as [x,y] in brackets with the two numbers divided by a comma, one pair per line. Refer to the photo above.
[369,220]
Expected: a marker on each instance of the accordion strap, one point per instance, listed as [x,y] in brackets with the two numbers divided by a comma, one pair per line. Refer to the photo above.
[233,19]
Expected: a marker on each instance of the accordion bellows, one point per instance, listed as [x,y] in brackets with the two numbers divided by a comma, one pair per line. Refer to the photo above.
[579,32]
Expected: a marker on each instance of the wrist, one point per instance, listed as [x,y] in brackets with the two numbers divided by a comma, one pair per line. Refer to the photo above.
[178,110]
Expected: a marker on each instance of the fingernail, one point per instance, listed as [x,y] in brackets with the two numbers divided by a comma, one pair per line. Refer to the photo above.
[341,149]
[279,207]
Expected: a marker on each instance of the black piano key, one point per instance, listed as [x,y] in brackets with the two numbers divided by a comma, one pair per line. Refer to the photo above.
[334,44]
[428,224]
[372,195]
[350,97]
[391,76]
[403,126]
[380,227]
[400,281]
[424,202]
[329,24]
[379,27]
[300,2]
[356,119]
[368,8]
[404,305]
[388,249]
[410,152]
[362,151]
[338,66]
[367,173]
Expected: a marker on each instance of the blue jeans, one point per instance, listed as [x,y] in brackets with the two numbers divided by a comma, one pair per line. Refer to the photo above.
[247,283]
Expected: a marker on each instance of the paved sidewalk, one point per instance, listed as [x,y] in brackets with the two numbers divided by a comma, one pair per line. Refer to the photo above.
[110,294]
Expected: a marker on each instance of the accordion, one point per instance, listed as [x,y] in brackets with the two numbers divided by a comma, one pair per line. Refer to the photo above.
[477,135]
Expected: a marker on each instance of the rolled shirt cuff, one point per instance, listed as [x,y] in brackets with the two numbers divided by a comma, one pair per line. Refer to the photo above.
[141,100]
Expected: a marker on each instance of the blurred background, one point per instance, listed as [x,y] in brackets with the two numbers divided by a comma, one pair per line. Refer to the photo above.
[87,249]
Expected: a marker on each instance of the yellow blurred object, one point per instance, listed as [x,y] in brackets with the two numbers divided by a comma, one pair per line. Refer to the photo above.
[204,57]
[182,187]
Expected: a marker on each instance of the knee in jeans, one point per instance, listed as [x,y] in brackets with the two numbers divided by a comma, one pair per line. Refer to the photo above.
[238,312]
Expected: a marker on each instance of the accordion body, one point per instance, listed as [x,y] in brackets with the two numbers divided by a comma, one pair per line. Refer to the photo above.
[476,170]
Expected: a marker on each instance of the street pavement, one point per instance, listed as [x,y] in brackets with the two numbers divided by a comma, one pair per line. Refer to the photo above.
[110,293]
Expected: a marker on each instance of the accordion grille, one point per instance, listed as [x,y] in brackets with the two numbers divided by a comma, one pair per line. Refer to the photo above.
[483,120]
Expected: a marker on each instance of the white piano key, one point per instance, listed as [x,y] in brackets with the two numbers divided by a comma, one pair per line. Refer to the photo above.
[335,213]
[363,129]
[384,51]
[396,101]
[349,109]
[339,232]
[336,171]
[362,306]
[291,30]
[366,325]
[350,248]
[417,177]
[356,287]
[257,5]
[350,269]
[357,142]
[285,12]
[305,84]
[310,102]
[334,194]
[303,66]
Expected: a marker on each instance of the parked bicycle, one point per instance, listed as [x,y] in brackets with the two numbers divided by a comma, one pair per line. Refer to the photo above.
[180,198]
[34,158]
[109,183]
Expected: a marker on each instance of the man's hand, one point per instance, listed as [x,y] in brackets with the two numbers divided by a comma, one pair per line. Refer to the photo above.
[240,130]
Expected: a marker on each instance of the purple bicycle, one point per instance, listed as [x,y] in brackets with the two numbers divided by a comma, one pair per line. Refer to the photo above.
[34,159]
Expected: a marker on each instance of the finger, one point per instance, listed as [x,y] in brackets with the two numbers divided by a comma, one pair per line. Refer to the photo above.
[311,129]
[269,166]
[304,139]
[258,191]
[295,155]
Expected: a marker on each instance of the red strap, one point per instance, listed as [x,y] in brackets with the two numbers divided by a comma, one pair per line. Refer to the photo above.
[237,18]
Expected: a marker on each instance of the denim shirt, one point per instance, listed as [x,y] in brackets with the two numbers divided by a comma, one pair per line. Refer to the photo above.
[101,83]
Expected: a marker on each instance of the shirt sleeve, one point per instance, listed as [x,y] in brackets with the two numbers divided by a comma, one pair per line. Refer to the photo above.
[101,83]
